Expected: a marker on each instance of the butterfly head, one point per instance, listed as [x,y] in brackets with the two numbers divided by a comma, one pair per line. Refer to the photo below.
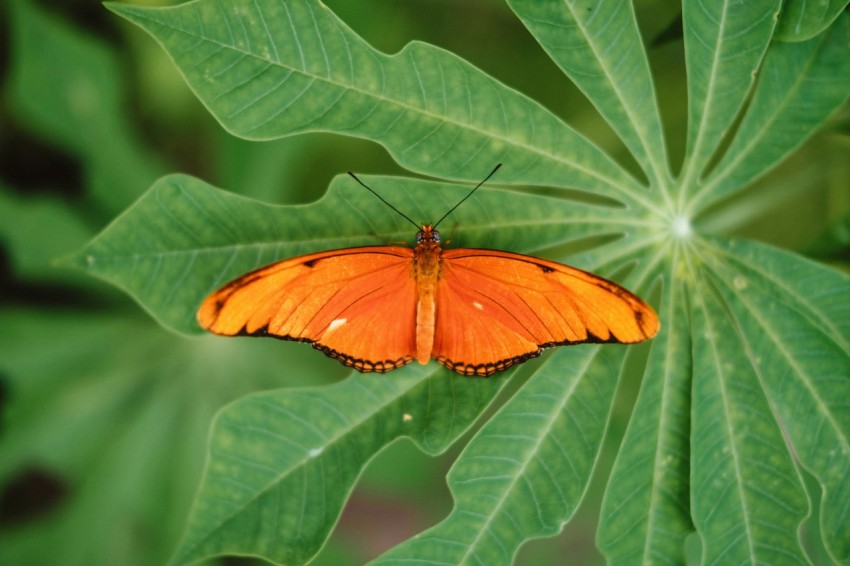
[427,234]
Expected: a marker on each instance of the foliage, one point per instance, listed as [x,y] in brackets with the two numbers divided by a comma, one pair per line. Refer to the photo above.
[743,395]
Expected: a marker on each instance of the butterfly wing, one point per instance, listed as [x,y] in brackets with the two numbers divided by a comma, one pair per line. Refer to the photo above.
[496,309]
[356,305]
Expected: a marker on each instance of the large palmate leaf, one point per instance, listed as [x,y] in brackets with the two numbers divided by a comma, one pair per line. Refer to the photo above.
[746,384]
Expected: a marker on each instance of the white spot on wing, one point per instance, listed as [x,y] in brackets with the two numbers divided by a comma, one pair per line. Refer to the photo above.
[478,305]
[336,324]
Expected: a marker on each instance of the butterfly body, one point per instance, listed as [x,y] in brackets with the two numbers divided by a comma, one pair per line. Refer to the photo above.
[427,265]
[474,311]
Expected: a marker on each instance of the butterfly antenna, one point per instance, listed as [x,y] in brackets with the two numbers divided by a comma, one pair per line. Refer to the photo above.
[383,200]
[496,168]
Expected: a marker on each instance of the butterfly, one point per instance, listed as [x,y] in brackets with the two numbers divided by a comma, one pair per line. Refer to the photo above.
[475,311]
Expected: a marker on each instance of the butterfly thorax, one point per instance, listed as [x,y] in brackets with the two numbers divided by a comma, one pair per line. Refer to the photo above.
[426,266]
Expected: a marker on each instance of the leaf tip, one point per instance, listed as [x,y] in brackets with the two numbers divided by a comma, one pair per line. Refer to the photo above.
[126,11]
[115,7]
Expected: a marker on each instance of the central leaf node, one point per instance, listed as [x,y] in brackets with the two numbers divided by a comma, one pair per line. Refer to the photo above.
[681,226]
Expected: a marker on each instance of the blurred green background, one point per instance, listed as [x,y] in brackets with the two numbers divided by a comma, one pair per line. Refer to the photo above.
[103,414]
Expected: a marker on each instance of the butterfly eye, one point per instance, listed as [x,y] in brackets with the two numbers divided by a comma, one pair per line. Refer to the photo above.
[427,236]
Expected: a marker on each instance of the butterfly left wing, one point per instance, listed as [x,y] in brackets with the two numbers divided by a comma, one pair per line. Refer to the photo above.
[356,305]
[496,309]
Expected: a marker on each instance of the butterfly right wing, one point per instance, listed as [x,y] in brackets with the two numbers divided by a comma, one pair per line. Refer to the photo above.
[357,305]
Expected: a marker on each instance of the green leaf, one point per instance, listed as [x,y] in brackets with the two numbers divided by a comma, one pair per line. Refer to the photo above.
[184,239]
[598,46]
[267,69]
[801,20]
[739,457]
[800,85]
[67,86]
[645,515]
[282,463]
[724,44]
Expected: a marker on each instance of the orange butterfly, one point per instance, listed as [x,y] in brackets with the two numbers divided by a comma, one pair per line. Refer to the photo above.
[475,311]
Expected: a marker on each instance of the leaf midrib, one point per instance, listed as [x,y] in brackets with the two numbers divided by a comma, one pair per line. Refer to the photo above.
[745,151]
[656,169]
[694,159]
[663,431]
[533,451]
[730,427]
